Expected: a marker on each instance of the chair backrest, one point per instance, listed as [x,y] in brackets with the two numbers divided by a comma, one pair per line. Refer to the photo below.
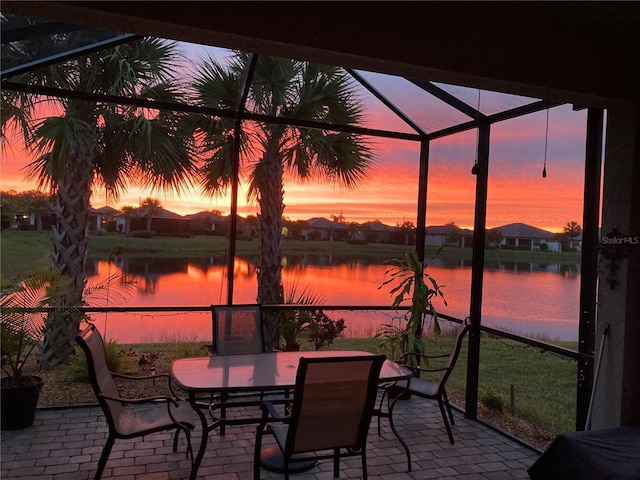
[333,402]
[455,353]
[237,329]
[102,382]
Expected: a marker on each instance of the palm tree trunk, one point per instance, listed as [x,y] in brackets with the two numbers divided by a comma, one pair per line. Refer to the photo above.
[271,201]
[70,241]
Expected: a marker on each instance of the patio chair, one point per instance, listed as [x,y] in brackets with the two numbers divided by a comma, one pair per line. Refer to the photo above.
[333,403]
[432,388]
[131,417]
[237,330]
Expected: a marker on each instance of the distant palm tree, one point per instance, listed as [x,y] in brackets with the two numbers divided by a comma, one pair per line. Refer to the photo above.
[129,212]
[152,207]
[289,89]
[94,144]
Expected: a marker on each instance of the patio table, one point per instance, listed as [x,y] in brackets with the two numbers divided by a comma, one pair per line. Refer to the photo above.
[271,371]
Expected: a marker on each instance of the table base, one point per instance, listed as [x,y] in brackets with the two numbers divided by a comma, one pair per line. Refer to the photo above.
[271,459]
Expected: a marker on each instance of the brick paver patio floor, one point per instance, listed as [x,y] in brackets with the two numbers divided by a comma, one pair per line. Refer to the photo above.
[65,444]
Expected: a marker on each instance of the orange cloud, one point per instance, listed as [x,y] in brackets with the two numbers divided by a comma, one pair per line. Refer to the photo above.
[517,191]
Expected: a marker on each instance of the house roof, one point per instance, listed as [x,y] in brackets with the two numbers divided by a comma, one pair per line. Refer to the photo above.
[323,223]
[209,216]
[159,213]
[106,210]
[447,229]
[377,226]
[522,230]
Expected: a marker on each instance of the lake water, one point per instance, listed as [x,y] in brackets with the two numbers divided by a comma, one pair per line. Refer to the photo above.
[529,299]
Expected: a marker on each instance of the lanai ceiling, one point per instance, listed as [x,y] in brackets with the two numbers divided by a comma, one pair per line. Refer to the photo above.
[576,52]
[414,109]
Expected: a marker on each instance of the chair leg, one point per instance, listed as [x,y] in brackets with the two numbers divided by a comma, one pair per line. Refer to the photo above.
[445,419]
[446,402]
[104,456]
[364,464]
[336,462]
[187,433]
[175,440]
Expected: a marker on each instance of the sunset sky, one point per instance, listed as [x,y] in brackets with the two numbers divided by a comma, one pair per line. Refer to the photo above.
[517,191]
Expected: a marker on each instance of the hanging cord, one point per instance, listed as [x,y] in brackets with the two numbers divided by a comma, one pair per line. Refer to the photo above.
[474,169]
[546,144]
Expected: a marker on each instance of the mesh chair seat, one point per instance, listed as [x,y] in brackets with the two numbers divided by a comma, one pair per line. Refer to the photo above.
[153,418]
[420,386]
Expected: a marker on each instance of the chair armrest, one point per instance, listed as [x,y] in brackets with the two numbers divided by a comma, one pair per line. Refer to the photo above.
[141,377]
[137,401]
[150,377]
[268,409]
[430,370]
[420,355]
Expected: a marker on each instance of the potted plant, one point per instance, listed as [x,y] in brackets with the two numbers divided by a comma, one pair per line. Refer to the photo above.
[409,280]
[23,310]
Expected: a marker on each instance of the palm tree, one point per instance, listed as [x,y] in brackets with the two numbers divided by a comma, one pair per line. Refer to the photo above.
[289,89]
[94,144]
[152,207]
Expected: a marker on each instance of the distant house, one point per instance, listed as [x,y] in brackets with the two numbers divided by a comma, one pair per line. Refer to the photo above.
[374,232]
[208,223]
[575,244]
[520,236]
[163,222]
[449,234]
[41,220]
[99,218]
[320,228]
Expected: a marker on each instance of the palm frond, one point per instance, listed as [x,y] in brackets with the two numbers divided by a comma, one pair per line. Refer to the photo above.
[58,142]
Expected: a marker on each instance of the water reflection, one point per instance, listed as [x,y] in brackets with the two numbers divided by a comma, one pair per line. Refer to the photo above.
[528,298]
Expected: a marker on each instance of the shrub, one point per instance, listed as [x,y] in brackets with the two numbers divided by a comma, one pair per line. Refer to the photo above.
[323,330]
[142,234]
[77,370]
[492,400]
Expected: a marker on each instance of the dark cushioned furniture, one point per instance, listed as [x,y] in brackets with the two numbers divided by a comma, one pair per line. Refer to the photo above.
[591,455]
